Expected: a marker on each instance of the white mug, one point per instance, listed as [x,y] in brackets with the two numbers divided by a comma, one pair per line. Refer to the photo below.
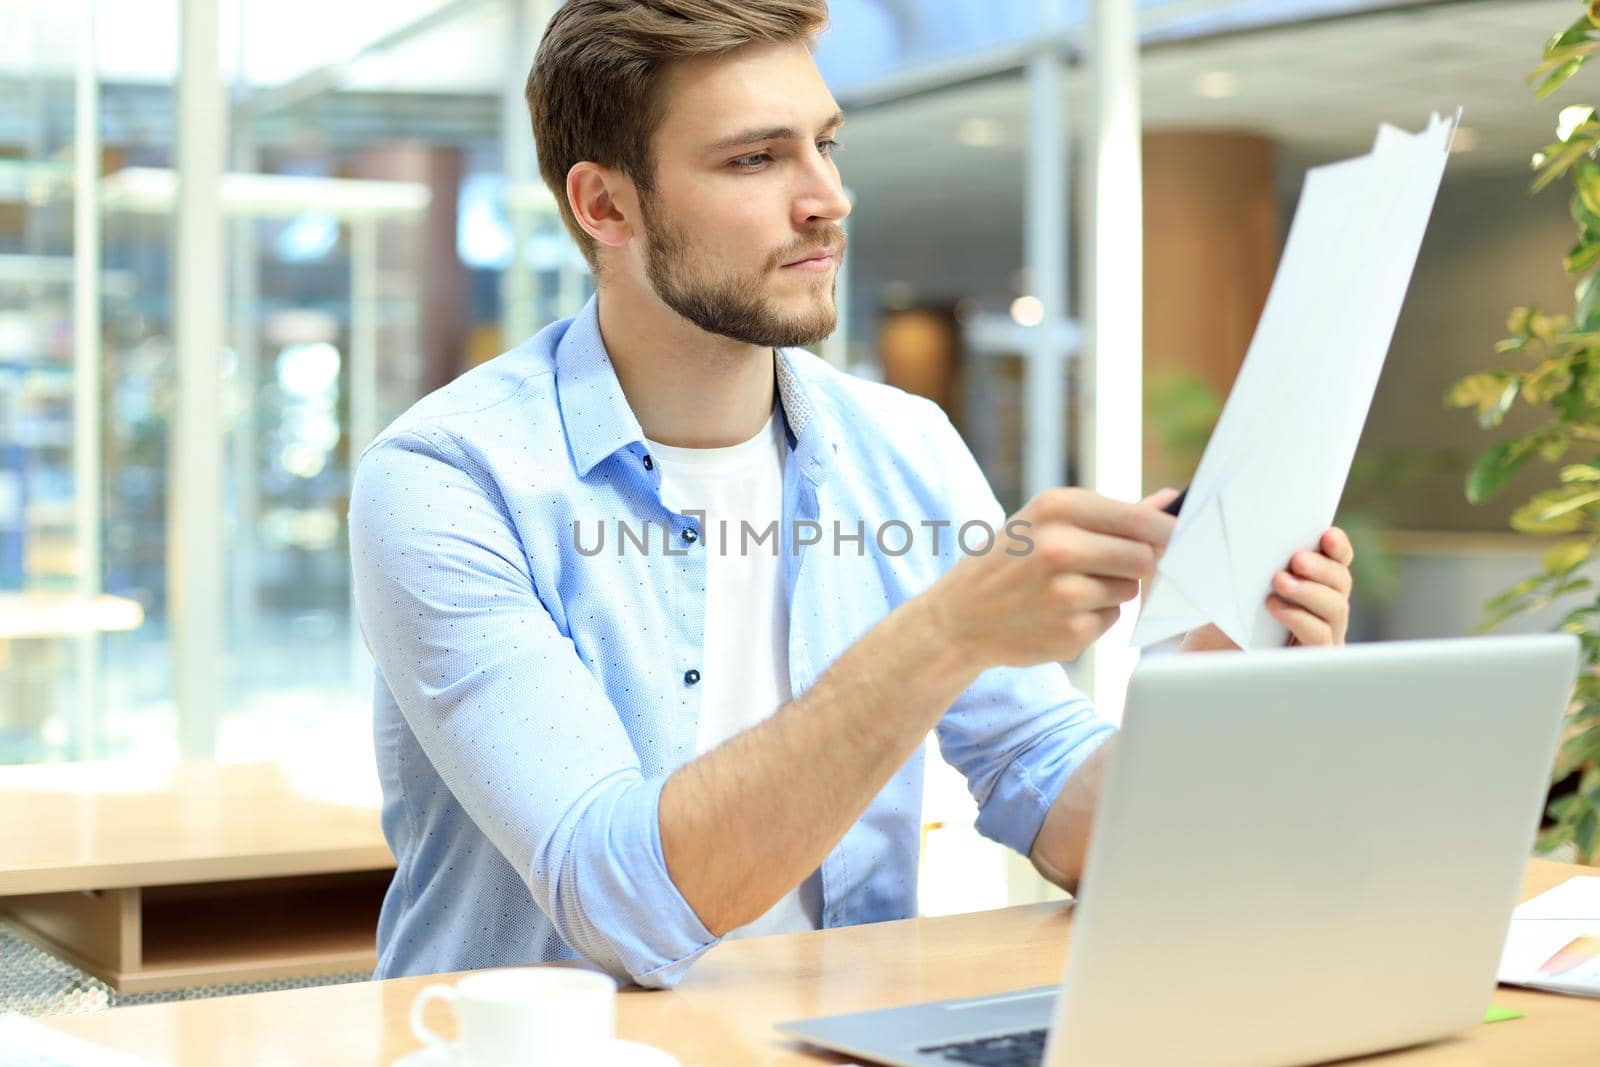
[524,1016]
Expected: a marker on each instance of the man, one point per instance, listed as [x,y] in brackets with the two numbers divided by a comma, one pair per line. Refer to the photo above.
[621,716]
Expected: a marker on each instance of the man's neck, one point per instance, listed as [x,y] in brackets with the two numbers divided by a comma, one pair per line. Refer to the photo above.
[686,387]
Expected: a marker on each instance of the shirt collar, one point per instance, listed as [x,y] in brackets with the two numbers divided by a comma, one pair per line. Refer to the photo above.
[599,422]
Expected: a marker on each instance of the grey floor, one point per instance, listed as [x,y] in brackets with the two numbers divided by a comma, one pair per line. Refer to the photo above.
[34,982]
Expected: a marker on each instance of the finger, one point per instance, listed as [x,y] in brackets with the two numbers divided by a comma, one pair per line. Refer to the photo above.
[1322,601]
[1079,551]
[1105,619]
[1315,567]
[1336,545]
[1091,511]
[1303,626]
[1083,593]
[1159,499]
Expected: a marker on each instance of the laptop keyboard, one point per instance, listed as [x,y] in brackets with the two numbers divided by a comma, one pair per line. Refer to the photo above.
[1022,1049]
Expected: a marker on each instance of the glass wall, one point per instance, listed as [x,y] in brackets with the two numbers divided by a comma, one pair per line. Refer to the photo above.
[344,302]
[46,665]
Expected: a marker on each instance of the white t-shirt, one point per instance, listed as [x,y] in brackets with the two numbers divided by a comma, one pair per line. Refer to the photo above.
[745,676]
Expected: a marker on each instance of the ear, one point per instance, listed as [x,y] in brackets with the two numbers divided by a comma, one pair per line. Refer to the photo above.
[603,201]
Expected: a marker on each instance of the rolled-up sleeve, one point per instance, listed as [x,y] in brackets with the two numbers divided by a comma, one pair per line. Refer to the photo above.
[499,700]
[1016,734]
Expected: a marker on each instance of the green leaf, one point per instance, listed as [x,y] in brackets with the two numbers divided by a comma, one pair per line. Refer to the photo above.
[1587,297]
[1558,77]
[1572,118]
[1555,512]
[1549,379]
[1517,321]
[1566,587]
[1520,591]
[1585,832]
[1558,157]
[1584,254]
[1546,327]
[1586,185]
[1493,469]
[1573,34]
[1564,558]
[1581,750]
[1577,50]
[1492,393]
[1580,472]
[1554,444]
[1561,806]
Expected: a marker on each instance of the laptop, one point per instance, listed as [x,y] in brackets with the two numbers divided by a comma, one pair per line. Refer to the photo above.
[1300,855]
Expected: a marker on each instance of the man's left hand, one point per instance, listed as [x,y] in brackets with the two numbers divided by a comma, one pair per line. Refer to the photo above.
[1310,597]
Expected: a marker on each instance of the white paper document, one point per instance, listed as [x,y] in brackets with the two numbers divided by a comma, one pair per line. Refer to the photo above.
[1275,467]
[1554,940]
[25,1043]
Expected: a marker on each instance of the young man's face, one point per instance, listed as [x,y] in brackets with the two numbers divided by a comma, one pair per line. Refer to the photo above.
[746,197]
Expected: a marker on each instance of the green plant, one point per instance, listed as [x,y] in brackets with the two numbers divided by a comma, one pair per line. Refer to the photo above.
[1559,373]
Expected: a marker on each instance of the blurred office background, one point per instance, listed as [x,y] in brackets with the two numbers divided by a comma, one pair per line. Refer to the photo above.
[174,576]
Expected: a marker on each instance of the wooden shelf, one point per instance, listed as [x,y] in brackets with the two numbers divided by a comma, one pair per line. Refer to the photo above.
[169,876]
[116,825]
[221,933]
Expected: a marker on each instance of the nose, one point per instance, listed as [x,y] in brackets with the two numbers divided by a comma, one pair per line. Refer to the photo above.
[822,197]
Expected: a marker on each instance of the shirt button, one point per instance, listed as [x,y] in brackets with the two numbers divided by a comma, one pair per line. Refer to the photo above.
[649,464]
[690,677]
[689,536]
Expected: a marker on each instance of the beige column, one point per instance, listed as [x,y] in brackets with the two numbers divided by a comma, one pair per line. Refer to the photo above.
[428,252]
[1211,246]
[1210,249]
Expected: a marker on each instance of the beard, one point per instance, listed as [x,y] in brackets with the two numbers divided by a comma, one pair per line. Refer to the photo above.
[733,304]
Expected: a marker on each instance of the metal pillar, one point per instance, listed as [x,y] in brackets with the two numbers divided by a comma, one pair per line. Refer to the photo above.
[1114,305]
[87,476]
[244,439]
[1045,240]
[518,312]
[194,525]
[363,378]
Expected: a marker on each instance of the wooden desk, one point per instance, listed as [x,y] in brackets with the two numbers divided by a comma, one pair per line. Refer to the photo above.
[195,873]
[722,1014]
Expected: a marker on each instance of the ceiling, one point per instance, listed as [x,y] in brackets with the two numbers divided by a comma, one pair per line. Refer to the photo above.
[1318,90]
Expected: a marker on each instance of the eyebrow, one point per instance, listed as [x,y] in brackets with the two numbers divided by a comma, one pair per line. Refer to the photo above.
[773,133]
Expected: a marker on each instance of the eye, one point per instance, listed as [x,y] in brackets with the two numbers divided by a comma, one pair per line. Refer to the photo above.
[828,146]
[750,162]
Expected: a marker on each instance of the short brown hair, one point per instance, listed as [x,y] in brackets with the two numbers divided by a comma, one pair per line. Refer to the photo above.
[592,92]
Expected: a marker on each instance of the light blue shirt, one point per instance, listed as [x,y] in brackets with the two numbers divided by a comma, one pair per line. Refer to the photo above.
[533,695]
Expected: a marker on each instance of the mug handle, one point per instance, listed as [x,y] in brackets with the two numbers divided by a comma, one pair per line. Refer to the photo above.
[446,993]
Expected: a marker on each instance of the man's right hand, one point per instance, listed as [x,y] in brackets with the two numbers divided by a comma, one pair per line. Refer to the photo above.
[1017,606]
[744,823]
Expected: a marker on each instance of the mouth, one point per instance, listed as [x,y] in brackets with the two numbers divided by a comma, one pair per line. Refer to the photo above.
[820,259]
